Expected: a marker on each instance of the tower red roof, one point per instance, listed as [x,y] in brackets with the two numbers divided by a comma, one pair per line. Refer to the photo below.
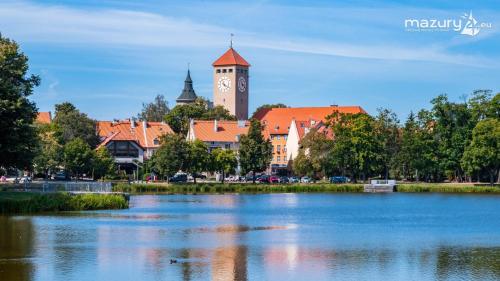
[231,57]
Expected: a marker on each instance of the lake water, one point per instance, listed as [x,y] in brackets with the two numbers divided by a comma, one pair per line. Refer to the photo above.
[262,237]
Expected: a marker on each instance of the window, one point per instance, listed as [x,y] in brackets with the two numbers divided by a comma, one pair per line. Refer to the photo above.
[224,70]
[284,158]
[218,71]
[278,137]
[228,146]
[156,142]
[285,137]
[278,148]
[123,149]
[279,158]
[230,70]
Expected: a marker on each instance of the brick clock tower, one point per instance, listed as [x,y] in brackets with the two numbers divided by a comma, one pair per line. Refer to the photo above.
[231,83]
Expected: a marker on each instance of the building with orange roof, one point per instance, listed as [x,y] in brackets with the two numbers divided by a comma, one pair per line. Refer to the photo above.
[218,133]
[44,117]
[230,84]
[130,141]
[281,124]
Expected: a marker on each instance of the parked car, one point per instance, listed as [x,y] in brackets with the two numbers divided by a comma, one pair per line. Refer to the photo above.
[178,178]
[305,179]
[339,179]
[274,179]
[263,179]
[284,179]
[199,176]
[25,179]
[60,176]
[294,180]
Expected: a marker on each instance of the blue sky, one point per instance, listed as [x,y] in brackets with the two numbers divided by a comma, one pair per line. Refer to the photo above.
[109,56]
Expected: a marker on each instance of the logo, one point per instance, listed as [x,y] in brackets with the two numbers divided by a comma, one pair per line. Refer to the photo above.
[466,25]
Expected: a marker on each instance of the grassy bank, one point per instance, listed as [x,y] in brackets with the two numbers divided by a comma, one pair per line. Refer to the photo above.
[234,188]
[207,188]
[448,188]
[30,202]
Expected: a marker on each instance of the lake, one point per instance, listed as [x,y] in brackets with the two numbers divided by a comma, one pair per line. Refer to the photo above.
[262,237]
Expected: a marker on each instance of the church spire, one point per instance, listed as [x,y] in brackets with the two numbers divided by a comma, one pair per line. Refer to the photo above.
[188,94]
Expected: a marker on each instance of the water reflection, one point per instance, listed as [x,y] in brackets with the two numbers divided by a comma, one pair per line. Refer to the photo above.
[251,238]
[16,248]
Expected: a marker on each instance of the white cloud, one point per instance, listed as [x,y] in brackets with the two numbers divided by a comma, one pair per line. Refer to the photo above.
[27,22]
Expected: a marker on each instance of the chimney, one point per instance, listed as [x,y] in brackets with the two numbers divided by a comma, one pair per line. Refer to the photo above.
[132,123]
[144,124]
[216,126]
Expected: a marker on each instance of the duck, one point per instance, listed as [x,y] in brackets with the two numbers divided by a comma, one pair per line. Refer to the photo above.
[173,261]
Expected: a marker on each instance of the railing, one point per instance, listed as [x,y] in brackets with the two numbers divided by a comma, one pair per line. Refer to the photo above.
[77,186]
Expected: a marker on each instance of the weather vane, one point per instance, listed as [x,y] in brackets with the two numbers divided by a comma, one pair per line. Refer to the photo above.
[231,45]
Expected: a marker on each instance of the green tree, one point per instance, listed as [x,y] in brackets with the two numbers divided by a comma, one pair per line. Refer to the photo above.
[255,152]
[154,111]
[198,159]
[178,118]
[171,156]
[483,153]
[74,124]
[313,157]
[78,157]
[356,146]
[49,153]
[103,163]
[18,136]
[267,106]
[224,161]
[387,131]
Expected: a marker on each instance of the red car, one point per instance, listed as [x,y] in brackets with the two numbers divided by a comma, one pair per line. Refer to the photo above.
[274,179]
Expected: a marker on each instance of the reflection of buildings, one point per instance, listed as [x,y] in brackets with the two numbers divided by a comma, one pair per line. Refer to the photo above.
[230,263]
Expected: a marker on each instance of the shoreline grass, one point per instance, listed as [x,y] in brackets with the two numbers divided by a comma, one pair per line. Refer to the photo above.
[218,188]
[33,202]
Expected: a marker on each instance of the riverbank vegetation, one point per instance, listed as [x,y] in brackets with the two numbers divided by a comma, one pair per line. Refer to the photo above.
[31,202]
[216,188]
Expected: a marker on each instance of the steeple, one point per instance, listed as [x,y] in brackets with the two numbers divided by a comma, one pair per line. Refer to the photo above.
[188,95]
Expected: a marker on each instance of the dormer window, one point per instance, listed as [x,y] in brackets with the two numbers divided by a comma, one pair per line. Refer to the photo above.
[156,141]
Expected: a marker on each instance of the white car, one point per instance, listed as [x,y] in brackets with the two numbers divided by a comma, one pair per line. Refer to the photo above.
[305,180]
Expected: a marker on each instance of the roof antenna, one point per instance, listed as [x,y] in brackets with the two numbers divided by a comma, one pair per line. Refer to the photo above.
[231,45]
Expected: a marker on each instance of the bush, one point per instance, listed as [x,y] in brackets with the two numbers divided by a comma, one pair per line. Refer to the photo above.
[24,202]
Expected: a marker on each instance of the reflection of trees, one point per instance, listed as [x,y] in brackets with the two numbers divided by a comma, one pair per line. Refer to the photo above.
[16,242]
[477,262]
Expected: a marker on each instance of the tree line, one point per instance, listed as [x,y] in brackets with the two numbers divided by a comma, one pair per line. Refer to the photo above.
[455,141]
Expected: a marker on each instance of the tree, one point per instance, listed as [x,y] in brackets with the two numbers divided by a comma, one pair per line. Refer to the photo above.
[171,156]
[356,147]
[50,150]
[483,153]
[17,134]
[275,105]
[312,159]
[78,157]
[154,111]
[386,127]
[198,159]
[224,161]
[103,163]
[178,118]
[255,153]
[74,124]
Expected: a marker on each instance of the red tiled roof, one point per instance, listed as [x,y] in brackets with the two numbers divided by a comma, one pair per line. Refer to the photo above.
[277,120]
[231,57]
[44,117]
[227,131]
[122,130]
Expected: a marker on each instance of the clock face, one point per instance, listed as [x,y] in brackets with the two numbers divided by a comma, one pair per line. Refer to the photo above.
[224,84]
[242,84]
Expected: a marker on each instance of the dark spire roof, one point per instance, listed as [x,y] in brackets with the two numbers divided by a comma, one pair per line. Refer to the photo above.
[188,95]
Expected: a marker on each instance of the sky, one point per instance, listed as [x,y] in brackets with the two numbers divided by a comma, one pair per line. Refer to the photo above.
[109,56]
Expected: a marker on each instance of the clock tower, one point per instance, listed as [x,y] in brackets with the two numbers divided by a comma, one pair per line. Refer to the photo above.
[231,83]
